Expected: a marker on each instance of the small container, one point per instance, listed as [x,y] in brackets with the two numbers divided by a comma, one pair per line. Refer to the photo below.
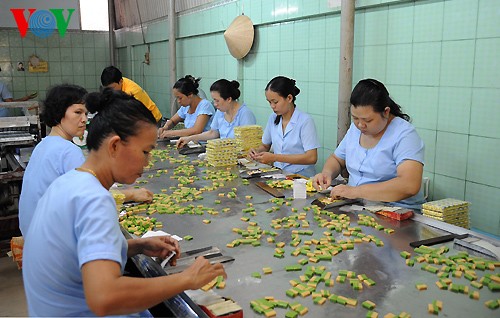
[299,188]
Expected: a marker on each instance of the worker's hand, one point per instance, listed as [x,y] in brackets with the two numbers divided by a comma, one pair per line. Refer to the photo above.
[183,141]
[160,131]
[161,246]
[33,95]
[252,153]
[264,157]
[201,272]
[167,133]
[321,181]
[140,195]
[344,191]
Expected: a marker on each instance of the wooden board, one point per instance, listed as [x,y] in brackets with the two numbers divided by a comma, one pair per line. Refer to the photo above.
[275,193]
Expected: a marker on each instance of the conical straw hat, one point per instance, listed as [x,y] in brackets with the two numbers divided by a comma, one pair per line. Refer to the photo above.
[239,36]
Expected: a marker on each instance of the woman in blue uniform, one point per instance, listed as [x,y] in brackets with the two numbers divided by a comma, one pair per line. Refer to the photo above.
[77,270]
[382,151]
[230,113]
[65,112]
[290,132]
[196,113]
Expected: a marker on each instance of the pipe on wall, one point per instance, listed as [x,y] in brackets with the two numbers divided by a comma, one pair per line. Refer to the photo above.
[345,67]
[111,22]
[172,54]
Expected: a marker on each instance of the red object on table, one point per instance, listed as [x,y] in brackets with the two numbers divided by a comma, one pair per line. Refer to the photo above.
[399,215]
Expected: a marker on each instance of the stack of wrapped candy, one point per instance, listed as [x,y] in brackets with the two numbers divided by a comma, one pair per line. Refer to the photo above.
[248,137]
[222,152]
[451,211]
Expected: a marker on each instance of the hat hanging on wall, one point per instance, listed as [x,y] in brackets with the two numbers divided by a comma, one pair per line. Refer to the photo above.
[239,36]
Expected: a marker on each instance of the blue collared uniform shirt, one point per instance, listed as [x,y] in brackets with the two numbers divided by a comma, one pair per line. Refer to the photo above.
[300,136]
[400,142]
[203,108]
[243,117]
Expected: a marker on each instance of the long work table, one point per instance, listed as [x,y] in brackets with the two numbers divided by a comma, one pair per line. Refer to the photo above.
[365,264]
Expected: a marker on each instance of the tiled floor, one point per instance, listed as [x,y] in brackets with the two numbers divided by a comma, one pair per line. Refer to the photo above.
[12,298]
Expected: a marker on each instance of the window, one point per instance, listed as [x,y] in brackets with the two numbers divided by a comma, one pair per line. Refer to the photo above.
[94,15]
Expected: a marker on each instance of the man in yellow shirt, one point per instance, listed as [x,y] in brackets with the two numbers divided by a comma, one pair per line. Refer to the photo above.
[112,77]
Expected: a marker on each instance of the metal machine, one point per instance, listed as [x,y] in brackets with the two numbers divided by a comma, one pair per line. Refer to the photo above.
[18,134]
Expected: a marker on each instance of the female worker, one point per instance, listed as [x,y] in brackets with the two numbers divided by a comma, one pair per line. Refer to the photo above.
[78,272]
[382,151]
[291,132]
[65,112]
[196,113]
[230,113]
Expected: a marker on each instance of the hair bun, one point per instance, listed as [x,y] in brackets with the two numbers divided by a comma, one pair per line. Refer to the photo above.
[194,80]
[296,90]
[93,102]
[235,84]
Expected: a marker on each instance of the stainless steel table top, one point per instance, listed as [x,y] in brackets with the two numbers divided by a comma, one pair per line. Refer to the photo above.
[394,291]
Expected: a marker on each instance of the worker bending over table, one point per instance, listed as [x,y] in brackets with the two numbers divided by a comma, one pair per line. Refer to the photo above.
[196,113]
[76,268]
[381,150]
[230,113]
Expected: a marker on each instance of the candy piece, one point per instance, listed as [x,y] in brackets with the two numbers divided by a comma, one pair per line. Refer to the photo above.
[476,285]
[367,304]
[210,285]
[319,300]
[441,285]
[494,286]
[371,314]
[492,304]
[292,293]
[291,314]
[474,295]
[410,262]
[431,309]
[292,268]
[405,254]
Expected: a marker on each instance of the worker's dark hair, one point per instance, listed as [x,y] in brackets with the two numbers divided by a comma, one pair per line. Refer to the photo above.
[110,75]
[283,86]
[188,85]
[116,113]
[226,88]
[57,101]
[370,92]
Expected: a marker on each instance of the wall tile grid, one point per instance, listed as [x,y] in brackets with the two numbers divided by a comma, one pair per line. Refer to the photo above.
[438,59]
[78,58]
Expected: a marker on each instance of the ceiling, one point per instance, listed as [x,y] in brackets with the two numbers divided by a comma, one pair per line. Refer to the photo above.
[130,13]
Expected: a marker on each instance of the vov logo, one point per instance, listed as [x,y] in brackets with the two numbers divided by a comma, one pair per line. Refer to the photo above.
[42,22]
